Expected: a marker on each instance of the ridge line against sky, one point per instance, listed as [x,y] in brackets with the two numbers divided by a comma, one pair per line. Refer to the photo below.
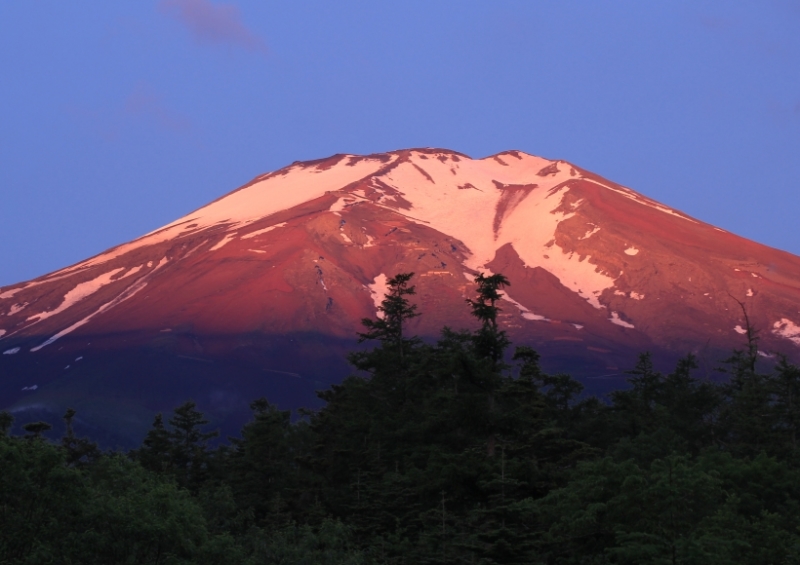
[118,118]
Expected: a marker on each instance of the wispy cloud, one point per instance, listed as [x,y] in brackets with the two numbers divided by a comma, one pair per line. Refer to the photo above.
[144,105]
[716,22]
[783,112]
[745,34]
[145,101]
[211,23]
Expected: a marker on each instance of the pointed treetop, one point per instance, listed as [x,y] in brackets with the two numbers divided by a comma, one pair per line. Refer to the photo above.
[484,307]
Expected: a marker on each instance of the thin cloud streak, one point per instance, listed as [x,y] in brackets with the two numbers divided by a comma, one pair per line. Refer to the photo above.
[216,24]
[144,105]
[147,102]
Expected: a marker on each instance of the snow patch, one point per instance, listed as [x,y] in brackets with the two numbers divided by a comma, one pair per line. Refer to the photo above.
[526,313]
[16,308]
[787,329]
[749,292]
[615,319]
[637,296]
[10,293]
[379,289]
[340,205]
[223,242]
[131,272]
[290,187]
[591,232]
[12,351]
[739,329]
[265,230]
[125,295]
[344,237]
[631,195]
[275,192]
[631,251]
[531,207]
[578,326]
[257,250]
[81,291]
[32,387]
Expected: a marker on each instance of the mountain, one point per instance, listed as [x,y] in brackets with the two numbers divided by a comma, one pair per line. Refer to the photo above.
[261,292]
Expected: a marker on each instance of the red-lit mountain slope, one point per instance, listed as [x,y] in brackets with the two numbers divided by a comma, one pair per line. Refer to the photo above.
[263,289]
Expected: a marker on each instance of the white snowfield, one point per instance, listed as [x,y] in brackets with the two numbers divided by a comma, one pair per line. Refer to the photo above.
[526,313]
[528,223]
[378,290]
[787,329]
[510,198]
[278,191]
[10,293]
[256,233]
[77,294]
[123,296]
[615,319]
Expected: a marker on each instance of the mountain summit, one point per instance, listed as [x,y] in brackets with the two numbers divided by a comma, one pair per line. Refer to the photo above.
[262,291]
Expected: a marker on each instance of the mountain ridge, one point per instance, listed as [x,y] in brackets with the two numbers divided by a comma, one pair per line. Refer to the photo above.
[599,272]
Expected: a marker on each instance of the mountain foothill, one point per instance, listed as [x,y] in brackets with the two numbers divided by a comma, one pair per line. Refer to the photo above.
[262,292]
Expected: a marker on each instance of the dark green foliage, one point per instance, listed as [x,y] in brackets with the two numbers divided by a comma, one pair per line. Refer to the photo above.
[6,421]
[331,543]
[36,429]
[448,452]
[180,450]
[785,390]
[396,310]
[110,512]
[489,342]
[78,451]
[156,449]
[264,476]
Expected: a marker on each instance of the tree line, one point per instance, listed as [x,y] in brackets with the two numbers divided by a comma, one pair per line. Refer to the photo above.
[459,451]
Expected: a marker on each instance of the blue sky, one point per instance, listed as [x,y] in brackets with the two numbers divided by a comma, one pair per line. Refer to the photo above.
[118,117]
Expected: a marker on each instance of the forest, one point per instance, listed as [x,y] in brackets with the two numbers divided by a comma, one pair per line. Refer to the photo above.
[458,451]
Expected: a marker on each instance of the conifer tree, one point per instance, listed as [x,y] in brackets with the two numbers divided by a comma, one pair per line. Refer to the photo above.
[489,341]
[156,449]
[6,421]
[78,451]
[36,429]
[189,455]
[746,418]
[180,449]
[689,406]
[261,467]
[396,311]
[637,408]
[785,390]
